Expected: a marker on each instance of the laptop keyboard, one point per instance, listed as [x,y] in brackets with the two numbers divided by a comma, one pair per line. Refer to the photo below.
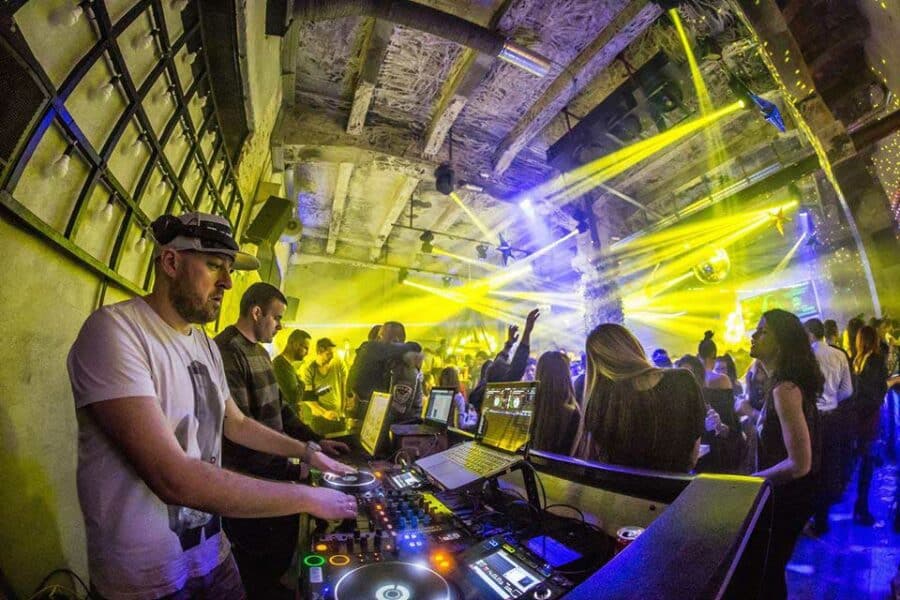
[477,459]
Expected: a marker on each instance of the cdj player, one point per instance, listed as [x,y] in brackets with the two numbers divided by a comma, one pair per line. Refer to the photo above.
[408,542]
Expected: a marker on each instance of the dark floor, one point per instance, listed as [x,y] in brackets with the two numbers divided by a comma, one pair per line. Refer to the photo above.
[851,561]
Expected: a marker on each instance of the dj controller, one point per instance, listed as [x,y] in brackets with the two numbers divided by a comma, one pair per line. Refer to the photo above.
[409,541]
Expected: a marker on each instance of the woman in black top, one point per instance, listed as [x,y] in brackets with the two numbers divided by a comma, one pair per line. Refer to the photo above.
[638,415]
[556,414]
[788,434]
[871,372]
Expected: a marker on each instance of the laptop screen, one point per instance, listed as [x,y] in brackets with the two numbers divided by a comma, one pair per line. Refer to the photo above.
[506,415]
[373,424]
[440,401]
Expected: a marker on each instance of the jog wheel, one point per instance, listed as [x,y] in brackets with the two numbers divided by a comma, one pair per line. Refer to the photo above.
[392,581]
[351,483]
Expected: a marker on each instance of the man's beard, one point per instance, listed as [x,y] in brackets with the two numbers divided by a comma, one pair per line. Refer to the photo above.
[190,305]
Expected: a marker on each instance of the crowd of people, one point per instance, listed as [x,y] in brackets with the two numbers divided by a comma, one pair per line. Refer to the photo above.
[161,408]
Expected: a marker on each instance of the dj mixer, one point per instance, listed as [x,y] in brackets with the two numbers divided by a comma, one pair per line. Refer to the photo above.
[410,542]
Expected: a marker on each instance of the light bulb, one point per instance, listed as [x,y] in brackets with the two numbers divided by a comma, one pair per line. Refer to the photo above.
[66,16]
[179,5]
[59,168]
[134,148]
[104,92]
[105,214]
[162,186]
[189,58]
[141,244]
[143,41]
[163,97]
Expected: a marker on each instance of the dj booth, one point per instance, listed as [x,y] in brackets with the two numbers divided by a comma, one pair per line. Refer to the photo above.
[545,526]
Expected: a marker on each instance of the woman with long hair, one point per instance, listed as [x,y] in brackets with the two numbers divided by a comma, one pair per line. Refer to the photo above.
[789,445]
[556,413]
[871,385]
[636,414]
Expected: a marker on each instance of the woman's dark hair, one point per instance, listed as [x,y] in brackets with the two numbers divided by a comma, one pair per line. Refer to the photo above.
[866,341]
[373,333]
[730,367]
[693,364]
[795,361]
[707,348]
[853,326]
[555,394]
[449,378]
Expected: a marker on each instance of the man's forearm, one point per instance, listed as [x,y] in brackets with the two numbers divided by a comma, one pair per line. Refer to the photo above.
[256,436]
[206,487]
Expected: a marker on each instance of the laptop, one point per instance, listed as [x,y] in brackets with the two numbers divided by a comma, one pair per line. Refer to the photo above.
[372,432]
[437,414]
[504,430]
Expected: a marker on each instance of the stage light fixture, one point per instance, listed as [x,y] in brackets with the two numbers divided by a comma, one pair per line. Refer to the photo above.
[402,274]
[426,238]
[505,250]
[481,250]
[445,179]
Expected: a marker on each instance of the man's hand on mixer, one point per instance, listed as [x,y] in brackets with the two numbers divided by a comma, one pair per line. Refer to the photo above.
[332,504]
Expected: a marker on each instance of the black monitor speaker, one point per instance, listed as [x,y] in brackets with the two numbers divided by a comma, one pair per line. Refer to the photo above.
[270,221]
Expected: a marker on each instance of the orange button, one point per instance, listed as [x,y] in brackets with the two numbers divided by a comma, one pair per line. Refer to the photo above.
[339,560]
[321,547]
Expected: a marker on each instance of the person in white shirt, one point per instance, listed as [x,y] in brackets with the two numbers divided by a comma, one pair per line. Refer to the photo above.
[838,387]
[152,404]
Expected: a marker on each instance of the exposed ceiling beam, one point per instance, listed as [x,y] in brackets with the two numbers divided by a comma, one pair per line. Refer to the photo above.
[633,19]
[306,258]
[339,201]
[306,135]
[397,203]
[468,73]
[290,48]
[373,52]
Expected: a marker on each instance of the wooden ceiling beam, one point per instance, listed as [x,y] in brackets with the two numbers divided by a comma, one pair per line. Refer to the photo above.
[374,50]
[338,202]
[398,202]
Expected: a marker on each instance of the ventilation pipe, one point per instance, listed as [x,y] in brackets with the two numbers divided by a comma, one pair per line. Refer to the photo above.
[427,19]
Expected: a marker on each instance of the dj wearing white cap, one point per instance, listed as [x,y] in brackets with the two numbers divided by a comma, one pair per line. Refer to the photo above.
[152,405]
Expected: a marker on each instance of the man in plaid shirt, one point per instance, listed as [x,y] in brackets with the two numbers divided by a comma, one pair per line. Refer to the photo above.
[263,548]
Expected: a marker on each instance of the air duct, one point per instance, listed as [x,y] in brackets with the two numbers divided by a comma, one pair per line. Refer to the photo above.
[422,18]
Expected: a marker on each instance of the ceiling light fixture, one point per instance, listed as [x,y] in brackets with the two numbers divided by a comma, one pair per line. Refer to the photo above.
[427,237]
[67,16]
[481,250]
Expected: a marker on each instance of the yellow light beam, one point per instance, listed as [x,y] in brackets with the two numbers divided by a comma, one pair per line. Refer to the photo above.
[478,222]
[588,176]
[787,257]
[471,261]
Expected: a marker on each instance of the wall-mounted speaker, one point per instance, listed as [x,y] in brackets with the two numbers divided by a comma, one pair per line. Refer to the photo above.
[17,111]
[270,221]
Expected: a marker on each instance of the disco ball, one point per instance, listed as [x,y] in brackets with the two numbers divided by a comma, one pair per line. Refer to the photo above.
[714,269]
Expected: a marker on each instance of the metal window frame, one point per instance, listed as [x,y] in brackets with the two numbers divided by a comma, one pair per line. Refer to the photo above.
[53,113]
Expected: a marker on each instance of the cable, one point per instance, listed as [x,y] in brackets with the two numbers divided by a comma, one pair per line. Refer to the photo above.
[40,587]
[576,509]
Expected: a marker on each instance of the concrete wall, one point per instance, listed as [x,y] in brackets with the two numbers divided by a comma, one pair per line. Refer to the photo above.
[46,297]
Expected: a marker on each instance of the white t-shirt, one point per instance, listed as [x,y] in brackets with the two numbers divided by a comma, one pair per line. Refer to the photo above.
[836,369]
[138,546]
